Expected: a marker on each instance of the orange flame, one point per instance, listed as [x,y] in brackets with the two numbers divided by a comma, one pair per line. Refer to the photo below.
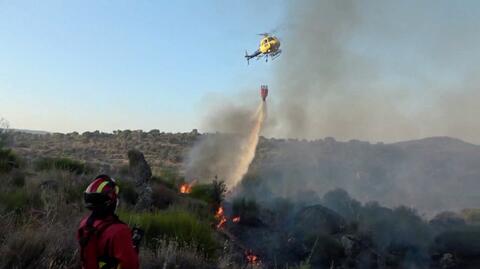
[236,219]
[220,217]
[251,257]
[185,188]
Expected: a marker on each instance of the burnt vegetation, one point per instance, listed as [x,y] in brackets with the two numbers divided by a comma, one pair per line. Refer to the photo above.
[286,213]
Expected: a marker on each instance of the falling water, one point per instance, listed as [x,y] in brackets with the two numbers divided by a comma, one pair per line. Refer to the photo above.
[248,147]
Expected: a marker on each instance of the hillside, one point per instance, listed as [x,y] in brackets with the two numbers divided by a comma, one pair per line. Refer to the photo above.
[104,149]
[431,174]
[303,204]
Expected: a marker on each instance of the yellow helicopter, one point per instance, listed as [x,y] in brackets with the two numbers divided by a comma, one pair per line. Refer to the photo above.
[269,47]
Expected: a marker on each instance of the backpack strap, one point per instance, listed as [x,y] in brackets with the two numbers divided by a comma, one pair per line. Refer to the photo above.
[106,261]
[89,231]
[85,234]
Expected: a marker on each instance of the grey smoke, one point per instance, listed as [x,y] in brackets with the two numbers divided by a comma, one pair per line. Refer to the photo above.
[369,70]
[378,71]
[219,155]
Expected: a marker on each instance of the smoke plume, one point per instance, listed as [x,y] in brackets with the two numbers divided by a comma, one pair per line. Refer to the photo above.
[377,71]
[228,155]
[368,70]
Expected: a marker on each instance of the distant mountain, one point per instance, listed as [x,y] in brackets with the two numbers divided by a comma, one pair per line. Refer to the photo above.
[432,174]
[30,131]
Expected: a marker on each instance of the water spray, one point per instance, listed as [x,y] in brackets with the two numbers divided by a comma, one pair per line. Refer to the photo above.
[248,148]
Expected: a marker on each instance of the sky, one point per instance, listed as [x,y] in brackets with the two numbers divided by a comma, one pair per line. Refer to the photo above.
[379,70]
[107,65]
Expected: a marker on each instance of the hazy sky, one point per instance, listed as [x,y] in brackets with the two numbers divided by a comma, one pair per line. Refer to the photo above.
[87,65]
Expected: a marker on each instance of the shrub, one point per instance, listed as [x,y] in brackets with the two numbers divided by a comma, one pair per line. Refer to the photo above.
[124,171]
[472,215]
[18,179]
[169,177]
[8,161]
[247,210]
[14,200]
[462,242]
[127,191]
[162,196]
[40,247]
[167,182]
[219,188]
[169,254]
[19,199]
[213,193]
[24,250]
[176,225]
[202,192]
[74,192]
[64,164]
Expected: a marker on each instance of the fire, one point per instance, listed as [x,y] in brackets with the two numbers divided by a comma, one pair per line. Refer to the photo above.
[236,219]
[251,257]
[185,188]
[220,217]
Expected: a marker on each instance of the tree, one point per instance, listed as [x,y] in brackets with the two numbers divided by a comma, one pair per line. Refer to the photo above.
[4,125]
[340,201]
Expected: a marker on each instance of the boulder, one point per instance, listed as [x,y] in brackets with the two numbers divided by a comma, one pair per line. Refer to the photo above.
[141,173]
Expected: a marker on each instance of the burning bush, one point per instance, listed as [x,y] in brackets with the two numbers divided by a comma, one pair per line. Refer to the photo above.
[185,188]
[246,210]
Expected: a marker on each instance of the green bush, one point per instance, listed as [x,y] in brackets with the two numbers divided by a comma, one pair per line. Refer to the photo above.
[48,246]
[18,178]
[177,225]
[128,192]
[202,192]
[14,200]
[8,161]
[64,164]
[23,250]
[19,199]
[168,254]
[167,182]
[213,193]
[169,177]
[74,192]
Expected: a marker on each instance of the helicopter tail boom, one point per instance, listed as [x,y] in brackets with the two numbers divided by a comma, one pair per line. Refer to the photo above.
[255,54]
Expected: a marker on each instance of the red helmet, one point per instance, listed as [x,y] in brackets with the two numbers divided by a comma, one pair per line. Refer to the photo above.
[101,193]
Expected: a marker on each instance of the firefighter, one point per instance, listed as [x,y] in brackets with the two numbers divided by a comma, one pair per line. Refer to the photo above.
[105,241]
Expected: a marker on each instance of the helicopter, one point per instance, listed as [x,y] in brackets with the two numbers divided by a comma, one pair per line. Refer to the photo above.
[269,47]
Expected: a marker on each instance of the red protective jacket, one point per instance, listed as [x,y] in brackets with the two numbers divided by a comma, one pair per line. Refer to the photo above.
[110,239]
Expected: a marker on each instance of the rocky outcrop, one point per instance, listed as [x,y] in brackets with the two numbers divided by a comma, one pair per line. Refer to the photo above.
[141,173]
